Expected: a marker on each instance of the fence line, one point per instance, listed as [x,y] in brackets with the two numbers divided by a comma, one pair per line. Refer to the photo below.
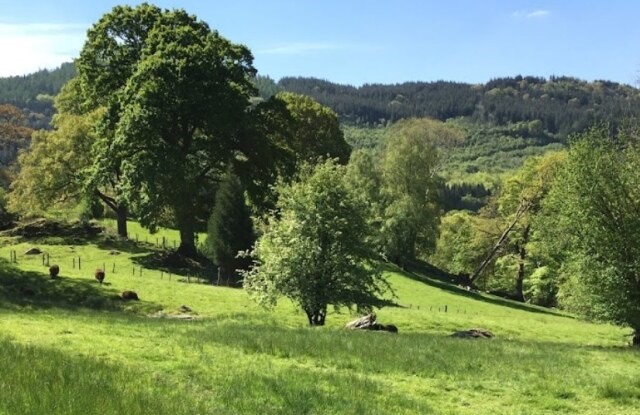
[142,272]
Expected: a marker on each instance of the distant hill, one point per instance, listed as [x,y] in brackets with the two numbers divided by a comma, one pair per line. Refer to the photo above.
[33,93]
[563,104]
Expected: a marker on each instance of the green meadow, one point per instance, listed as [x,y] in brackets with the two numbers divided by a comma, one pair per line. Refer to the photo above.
[71,346]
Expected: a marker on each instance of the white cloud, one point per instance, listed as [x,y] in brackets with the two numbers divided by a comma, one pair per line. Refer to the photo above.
[26,48]
[298,48]
[531,14]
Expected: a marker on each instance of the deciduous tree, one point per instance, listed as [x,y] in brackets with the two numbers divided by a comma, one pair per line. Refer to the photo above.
[314,130]
[596,201]
[176,94]
[315,250]
[410,187]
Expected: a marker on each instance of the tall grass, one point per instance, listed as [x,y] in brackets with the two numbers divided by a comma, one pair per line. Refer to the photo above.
[39,381]
[71,346]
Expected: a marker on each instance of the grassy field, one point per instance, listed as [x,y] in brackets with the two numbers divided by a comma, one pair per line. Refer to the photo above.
[70,346]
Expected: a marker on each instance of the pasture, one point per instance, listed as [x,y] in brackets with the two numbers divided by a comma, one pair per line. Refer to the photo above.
[71,346]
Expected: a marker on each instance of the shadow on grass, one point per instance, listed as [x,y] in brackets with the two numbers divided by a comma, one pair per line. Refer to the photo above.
[19,288]
[435,277]
[172,262]
[119,244]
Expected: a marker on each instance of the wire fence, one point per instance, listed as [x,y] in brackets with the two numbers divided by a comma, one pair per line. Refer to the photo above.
[108,266]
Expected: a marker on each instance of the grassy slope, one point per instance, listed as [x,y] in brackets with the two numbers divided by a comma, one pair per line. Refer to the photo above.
[58,357]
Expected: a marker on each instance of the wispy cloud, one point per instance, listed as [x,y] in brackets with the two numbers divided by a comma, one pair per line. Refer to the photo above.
[531,14]
[26,48]
[298,48]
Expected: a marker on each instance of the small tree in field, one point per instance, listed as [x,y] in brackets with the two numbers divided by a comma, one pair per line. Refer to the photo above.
[230,229]
[315,251]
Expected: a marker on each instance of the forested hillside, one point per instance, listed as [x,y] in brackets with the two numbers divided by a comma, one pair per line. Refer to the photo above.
[33,93]
[504,121]
[563,104]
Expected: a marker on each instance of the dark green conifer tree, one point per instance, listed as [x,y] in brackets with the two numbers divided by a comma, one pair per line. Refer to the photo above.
[230,230]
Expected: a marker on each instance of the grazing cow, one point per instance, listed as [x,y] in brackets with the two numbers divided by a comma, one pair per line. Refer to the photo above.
[54,270]
[129,295]
[100,275]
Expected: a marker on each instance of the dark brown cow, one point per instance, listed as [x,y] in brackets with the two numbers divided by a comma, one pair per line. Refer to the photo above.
[100,275]
[54,270]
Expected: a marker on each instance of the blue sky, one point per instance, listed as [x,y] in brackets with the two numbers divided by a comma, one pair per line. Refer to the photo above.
[369,41]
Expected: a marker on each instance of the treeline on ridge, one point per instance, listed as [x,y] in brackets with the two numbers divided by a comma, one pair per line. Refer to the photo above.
[563,104]
[33,93]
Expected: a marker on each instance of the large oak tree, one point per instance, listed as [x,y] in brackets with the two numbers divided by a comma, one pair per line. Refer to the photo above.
[177,95]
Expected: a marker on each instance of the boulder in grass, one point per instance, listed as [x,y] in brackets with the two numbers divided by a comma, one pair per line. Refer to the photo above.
[473,334]
[362,323]
[369,322]
[33,251]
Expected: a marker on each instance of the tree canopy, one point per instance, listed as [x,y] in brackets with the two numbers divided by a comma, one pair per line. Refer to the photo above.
[176,94]
[315,250]
[410,187]
[595,203]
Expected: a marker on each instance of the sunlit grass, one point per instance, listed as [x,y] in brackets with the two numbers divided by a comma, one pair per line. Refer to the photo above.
[72,346]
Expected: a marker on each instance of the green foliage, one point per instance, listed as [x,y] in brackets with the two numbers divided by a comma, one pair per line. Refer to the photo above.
[230,229]
[463,242]
[410,187]
[282,133]
[520,201]
[364,180]
[366,138]
[315,252]
[176,94]
[314,130]
[266,86]
[541,287]
[52,171]
[596,200]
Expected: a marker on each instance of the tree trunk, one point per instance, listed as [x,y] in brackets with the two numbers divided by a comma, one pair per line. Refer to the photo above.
[635,340]
[316,317]
[122,214]
[522,209]
[522,252]
[187,240]
[120,210]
